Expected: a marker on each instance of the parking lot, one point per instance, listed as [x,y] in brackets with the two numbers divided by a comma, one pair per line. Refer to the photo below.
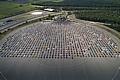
[59,40]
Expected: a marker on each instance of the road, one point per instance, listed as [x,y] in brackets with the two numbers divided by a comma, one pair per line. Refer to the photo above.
[21,19]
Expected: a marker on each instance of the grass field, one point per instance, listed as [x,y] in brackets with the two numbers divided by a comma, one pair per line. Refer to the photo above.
[9,9]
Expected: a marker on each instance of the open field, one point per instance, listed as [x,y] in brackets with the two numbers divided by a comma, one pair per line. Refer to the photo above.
[9,9]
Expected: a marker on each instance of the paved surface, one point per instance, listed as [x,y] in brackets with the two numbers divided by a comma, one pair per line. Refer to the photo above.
[59,40]
[59,51]
[60,69]
[22,18]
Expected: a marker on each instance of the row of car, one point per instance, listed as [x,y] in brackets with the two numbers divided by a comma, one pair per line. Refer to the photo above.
[51,40]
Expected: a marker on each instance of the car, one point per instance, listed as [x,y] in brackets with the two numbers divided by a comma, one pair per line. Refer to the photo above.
[9,20]
[2,24]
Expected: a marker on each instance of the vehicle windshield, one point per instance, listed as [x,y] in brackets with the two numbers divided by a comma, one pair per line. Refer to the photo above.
[59,40]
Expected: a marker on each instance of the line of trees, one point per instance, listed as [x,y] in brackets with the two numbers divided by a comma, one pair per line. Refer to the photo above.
[81,3]
[106,16]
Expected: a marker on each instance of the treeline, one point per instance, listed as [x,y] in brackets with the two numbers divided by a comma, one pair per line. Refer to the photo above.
[69,8]
[111,17]
[81,3]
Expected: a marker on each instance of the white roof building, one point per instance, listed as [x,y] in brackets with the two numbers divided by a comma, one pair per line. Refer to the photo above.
[49,9]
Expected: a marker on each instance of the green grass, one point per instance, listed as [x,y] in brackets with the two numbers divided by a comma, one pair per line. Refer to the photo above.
[9,9]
